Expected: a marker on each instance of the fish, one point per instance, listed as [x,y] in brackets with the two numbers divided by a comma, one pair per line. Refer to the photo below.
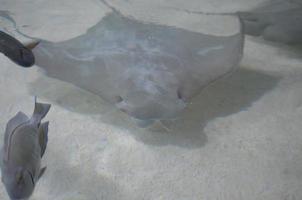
[17,52]
[25,142]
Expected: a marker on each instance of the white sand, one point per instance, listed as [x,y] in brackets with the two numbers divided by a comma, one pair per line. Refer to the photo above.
[240,139]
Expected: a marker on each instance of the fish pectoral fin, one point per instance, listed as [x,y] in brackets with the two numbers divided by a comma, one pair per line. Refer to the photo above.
[43,137]
[42,171]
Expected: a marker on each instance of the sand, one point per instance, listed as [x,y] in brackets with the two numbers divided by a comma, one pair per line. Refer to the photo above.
[239,139]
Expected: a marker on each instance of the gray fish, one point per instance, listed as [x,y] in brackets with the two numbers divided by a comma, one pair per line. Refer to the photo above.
[16,51]
[25,142]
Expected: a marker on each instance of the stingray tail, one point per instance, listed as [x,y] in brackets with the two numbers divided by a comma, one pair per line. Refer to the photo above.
[40,111]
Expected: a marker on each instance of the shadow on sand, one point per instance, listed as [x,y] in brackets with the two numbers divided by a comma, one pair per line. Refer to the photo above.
[226,96]
[79,182]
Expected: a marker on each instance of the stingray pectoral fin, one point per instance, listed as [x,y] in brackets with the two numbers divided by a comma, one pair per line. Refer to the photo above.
[143,123]
[31,45]
[43,137]
[247,16]
[42,171]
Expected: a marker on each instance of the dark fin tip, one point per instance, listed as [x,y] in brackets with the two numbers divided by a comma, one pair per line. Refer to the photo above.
[32,45]
[41,109]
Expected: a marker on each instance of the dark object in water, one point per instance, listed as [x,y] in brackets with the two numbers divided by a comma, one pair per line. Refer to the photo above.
[24,145]
[16,51]
[277,21]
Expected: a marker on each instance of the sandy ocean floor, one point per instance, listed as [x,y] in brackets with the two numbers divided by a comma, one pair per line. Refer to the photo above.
[240,139]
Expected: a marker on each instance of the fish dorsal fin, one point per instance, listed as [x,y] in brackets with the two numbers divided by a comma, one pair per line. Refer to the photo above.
[19,119]
[43,136]
[14,122]
[40,111]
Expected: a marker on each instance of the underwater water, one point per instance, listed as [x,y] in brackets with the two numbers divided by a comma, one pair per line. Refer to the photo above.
[182,100]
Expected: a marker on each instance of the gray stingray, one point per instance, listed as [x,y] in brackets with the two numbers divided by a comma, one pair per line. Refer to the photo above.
[147,70]
[25,143]
[278,21]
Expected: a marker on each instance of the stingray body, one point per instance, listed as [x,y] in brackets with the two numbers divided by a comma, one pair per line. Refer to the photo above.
[15,50]
[148,71]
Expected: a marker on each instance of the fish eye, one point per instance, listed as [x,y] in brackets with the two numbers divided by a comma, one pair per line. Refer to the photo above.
[19,177]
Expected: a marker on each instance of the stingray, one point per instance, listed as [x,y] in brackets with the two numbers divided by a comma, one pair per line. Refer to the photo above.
[148,71]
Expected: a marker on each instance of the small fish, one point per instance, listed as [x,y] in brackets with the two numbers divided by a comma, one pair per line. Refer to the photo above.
[25,143]
[16,51]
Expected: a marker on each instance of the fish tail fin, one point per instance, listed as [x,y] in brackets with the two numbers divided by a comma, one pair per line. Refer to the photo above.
[40,111]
